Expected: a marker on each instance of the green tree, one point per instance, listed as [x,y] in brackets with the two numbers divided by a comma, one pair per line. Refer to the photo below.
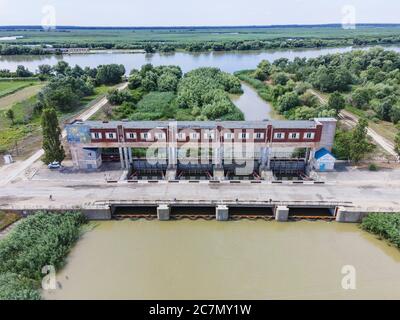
[23,72]
[135,80]
[361,97]
[359,145]
[110,74]
[304,113]
[263,70]
[280,78]
[336,101]
[167,82]
[53,149]
[10,115]
[62,68]
[288,101]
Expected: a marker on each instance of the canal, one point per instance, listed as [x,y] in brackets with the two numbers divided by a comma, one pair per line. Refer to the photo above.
[233,260]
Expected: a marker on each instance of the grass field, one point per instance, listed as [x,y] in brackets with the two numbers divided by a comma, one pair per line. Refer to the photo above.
[10,87]
[26,132]
[21,94]
[193,34]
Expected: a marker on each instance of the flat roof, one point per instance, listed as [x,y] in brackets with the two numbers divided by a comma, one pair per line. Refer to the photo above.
[280,124]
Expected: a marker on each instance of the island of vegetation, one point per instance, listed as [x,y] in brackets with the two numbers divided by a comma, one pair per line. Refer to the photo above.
[163,93]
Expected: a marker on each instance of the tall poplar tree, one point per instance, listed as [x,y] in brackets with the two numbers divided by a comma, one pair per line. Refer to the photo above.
[53,149]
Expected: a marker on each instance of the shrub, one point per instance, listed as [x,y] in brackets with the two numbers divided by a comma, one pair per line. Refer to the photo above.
[385,225]
[373,167]
[14,287]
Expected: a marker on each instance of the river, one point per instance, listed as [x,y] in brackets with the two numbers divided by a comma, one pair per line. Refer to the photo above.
[227,260]
[227,61]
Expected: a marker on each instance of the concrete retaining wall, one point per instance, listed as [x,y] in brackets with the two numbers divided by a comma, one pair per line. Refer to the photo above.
[346,215]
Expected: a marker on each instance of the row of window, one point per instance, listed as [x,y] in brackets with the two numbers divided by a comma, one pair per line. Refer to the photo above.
[207,135]
[294,135]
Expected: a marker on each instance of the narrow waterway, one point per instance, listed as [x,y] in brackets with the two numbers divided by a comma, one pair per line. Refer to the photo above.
[253,107]
[232,260]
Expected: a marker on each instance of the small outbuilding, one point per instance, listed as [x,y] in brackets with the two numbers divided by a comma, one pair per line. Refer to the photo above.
[324,160]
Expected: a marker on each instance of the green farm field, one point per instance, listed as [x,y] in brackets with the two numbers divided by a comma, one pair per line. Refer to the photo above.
[196,34]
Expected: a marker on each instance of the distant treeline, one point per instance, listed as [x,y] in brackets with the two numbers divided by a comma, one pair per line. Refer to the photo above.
[12,48]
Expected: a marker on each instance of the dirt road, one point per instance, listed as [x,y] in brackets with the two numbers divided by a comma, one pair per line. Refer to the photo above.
[352,120]
[18,96]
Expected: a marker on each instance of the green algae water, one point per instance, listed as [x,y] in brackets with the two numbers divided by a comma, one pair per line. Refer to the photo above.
[227,260]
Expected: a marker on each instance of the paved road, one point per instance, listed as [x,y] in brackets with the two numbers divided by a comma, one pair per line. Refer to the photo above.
[9,173]
[35,194]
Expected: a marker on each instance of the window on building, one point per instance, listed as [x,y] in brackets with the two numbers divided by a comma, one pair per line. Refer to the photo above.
[244,135]
[96,135]
[259,135]
[160,136]
[279,135]
[228,136]
[181,136]
[145,136]
[194,136]
[309,135]
[131,135]
[294,135]
[110,135]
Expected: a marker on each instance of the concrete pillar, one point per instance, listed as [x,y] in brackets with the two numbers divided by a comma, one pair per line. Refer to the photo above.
[163,212]
[121,155]
[130,155]
[269,153]
[172,157]
[222,213]
[170,174]
[219,173]
[127,162]
[282,213]
[263,157]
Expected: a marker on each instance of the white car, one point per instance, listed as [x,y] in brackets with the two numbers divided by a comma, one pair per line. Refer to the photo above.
[54,165]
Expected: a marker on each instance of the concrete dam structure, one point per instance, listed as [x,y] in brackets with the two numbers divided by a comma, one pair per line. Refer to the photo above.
[209,149]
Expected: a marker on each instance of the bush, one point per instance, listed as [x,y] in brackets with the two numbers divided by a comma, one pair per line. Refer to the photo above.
[39,240]
[386,226]
[14,287]
[373,167]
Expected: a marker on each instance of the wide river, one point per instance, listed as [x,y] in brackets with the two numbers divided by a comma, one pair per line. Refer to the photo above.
[226,61]
[227,260]
[230,260]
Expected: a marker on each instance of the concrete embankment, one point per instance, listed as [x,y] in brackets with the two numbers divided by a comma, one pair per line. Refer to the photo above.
[221,211]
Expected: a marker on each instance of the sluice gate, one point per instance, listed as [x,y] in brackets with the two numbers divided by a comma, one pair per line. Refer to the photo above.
[225,210]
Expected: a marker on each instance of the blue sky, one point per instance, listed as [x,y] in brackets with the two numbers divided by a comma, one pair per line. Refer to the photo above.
[199,12]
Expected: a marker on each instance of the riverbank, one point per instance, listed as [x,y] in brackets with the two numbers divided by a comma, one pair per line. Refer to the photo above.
[41,240]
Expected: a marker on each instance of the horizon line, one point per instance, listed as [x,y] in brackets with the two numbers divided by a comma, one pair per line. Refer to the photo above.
[200,26]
